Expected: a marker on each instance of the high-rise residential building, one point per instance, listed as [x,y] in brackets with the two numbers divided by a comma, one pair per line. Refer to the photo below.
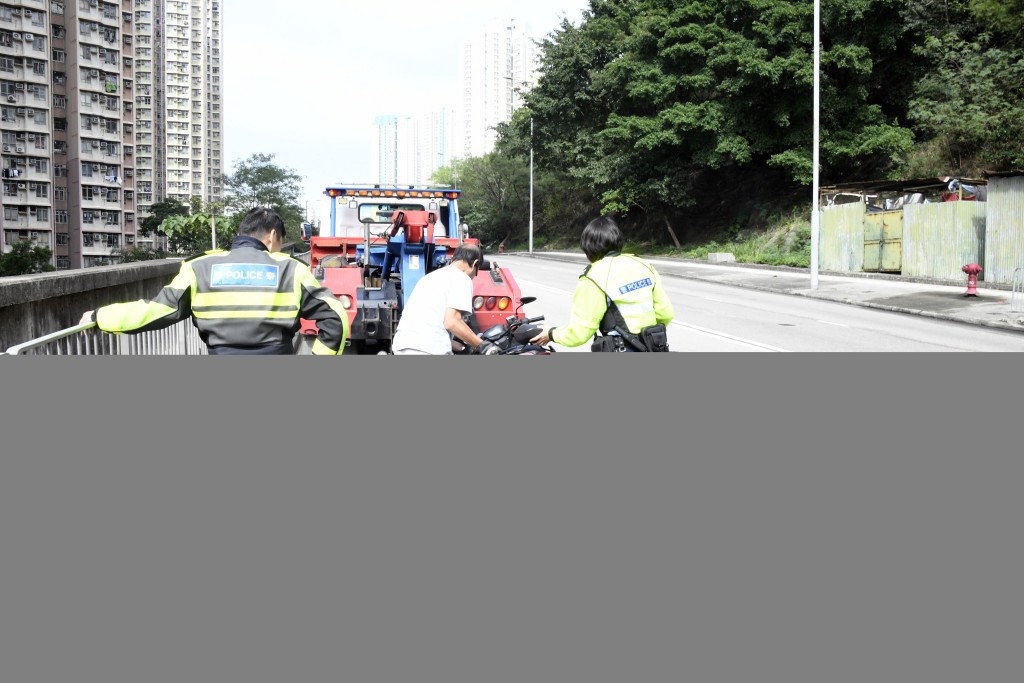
[106,107]
[179,117]
[498,64]
[410,148]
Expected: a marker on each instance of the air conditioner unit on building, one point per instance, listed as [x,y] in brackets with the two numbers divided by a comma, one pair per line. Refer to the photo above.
[95,97]
[94,74]
[17,36]
[35,235]
[7,148]
[95,120]
[12,98]
[19,86]
[21,150]
[21,186]
[16,12]
[33,186]
[20,111]
[31,138]
[96,167]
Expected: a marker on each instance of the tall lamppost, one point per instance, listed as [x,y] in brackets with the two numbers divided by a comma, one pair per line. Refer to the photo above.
[531,184]
[815,215]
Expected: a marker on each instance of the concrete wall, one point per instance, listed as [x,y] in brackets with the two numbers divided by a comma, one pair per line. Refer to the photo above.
[33,306]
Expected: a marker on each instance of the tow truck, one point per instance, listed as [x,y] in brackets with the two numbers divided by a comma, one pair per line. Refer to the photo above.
[381,240]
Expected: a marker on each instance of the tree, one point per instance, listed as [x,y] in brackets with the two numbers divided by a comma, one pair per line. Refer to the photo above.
[258,181]
[192,234]
[160,211]
[25,259]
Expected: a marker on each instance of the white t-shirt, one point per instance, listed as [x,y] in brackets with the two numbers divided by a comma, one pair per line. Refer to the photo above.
[421,326]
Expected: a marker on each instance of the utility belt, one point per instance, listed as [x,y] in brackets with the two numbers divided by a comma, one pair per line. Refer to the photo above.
[652,339]
[618,338]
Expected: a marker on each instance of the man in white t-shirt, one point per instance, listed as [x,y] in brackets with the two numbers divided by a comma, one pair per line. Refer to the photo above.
[435,308]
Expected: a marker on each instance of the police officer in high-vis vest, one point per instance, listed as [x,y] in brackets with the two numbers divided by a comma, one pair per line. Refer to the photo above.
[619,299]
[245,301]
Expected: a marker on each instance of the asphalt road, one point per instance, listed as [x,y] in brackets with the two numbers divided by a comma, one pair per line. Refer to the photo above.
[712,317]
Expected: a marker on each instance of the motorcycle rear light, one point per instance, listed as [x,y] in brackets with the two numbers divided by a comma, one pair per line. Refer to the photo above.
[504,303]
[478,303]
[491,303]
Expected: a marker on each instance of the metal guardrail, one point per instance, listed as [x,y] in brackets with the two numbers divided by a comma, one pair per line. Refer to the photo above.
[181,339]
[1017,295]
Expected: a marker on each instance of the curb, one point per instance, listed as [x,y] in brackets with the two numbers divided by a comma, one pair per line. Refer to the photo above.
[1009,327]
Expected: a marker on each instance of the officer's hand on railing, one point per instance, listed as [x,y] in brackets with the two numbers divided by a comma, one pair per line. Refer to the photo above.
[86,318]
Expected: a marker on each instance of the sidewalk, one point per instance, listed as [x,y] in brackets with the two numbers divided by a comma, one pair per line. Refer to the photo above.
[941,300]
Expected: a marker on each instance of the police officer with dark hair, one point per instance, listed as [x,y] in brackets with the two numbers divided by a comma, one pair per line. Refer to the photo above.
[245,301]
[619,299]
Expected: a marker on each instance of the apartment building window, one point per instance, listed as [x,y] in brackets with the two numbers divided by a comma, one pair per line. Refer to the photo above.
[60,194]
[60,171]
[63,263]
[42,214]
[39,44]
[87,219]
[42,190]
[63,239]
[87,166]
[59,32]
[7,64]
[60,102]
[10,214]
[60,55]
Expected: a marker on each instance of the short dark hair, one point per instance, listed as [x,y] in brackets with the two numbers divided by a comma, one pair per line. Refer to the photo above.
[260,221]
[468,253]
[600,237]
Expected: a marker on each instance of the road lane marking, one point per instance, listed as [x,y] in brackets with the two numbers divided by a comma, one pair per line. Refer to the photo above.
[740,340]
[825,322]
[697,328]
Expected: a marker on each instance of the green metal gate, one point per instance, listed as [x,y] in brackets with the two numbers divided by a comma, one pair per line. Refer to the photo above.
[883,242]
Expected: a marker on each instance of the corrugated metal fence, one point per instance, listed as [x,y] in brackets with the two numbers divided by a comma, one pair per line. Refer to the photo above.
[1004,244]
[940,239]
[841,242]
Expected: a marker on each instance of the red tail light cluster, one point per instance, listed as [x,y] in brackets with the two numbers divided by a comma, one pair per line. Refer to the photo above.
[491,302]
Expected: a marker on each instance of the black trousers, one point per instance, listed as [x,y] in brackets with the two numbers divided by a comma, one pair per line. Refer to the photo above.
[266,350]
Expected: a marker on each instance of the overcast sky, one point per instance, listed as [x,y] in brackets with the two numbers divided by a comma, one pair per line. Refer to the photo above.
[304,80]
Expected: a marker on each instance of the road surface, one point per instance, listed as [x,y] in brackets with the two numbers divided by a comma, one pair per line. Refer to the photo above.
[718,318]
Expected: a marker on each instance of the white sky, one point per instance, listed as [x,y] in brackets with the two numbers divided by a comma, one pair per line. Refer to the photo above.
[305,79]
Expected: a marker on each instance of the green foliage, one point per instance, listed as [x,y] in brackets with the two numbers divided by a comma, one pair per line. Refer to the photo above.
[786,242]
[259,182]
[193,234]
[970,107]
[26,258]
[159,212]
[135,254]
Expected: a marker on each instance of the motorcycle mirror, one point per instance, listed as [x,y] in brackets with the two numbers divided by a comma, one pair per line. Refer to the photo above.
[485,264]
[528,300]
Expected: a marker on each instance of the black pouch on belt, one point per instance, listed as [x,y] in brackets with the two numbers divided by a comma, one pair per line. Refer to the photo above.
[655,338]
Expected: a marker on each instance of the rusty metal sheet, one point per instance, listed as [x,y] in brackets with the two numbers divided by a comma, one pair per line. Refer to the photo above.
[883,241]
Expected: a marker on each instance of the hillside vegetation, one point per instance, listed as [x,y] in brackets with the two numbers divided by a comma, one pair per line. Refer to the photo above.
[691,123]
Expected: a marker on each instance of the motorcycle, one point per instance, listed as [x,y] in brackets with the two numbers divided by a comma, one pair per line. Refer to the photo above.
[513,337]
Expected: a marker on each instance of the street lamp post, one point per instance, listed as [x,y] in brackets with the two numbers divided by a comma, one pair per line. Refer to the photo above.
[815,215]
[531,184]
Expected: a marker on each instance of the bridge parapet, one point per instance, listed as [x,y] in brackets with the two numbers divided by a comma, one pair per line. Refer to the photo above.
[33,306]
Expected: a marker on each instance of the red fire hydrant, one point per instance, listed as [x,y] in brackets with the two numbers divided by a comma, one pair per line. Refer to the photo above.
[972,270]
[501,248]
